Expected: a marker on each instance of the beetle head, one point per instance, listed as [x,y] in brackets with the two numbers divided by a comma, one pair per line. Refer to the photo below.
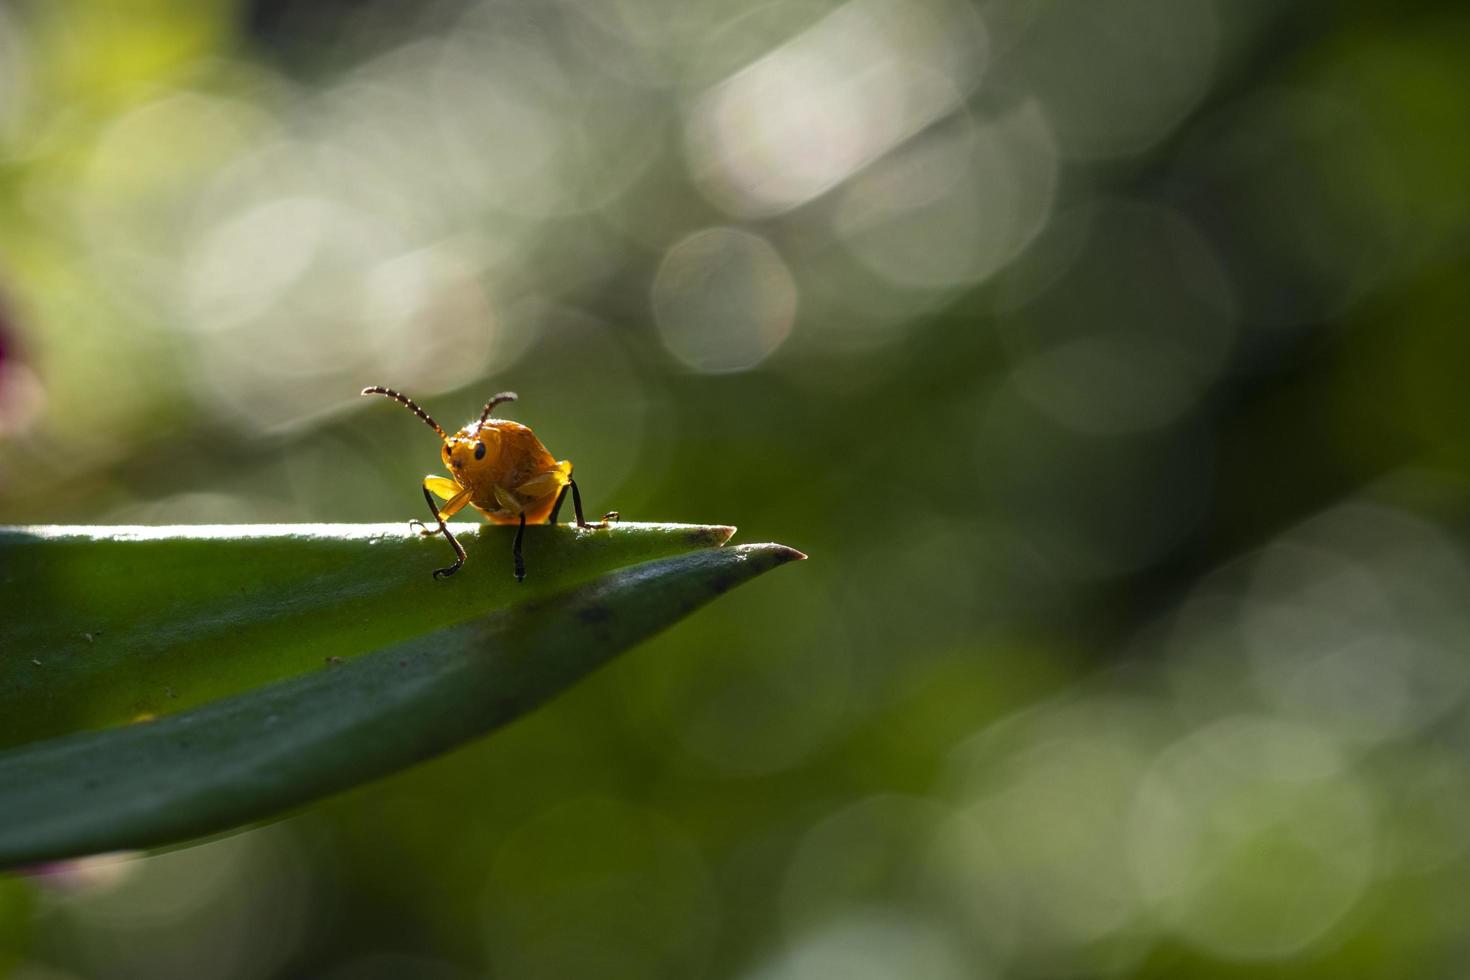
[465,447]
[469,446]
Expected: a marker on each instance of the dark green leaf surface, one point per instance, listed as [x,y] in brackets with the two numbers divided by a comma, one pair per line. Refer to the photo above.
[250,756]
[100,626]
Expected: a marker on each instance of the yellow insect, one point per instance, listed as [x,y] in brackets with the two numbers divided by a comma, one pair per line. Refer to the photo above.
[502,470]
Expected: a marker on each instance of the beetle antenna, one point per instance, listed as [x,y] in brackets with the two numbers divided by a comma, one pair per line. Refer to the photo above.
[408,403]
[504,396]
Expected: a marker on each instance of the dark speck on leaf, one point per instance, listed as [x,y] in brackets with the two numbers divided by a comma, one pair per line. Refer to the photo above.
[593,615]
[722,584]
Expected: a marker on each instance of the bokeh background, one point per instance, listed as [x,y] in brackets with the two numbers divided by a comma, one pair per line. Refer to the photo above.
[1108,357]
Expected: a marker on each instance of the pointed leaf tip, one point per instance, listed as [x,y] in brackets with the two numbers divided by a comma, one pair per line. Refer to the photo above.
[244,758]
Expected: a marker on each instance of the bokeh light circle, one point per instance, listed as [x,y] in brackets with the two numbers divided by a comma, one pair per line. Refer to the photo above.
[1119,319]
[1251,838]
[723,300]
[1117,75]
[815,110]
[875,943]
[1043,798]
[954,204]
[1355,620]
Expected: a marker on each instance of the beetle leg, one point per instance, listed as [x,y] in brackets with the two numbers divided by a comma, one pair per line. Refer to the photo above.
[508,501]
[611,515]
[511,504]
[444,489]
[520,562]
[542,486]
[560,476]
[556,507]
[453,506]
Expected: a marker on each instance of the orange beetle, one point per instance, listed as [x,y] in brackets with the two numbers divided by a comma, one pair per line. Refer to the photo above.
[502,470]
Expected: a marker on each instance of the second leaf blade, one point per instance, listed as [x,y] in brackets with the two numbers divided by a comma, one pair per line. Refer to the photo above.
[251,756]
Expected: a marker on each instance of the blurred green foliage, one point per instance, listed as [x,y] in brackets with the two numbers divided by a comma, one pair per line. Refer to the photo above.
[1105,356]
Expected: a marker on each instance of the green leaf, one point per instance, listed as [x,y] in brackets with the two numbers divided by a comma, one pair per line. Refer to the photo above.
[101,626]
[247,757]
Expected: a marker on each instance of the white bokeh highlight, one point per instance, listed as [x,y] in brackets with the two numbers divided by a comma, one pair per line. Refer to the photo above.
[812,112]
[723,300]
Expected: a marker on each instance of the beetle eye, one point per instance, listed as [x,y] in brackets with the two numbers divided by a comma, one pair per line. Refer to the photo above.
[479,450]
